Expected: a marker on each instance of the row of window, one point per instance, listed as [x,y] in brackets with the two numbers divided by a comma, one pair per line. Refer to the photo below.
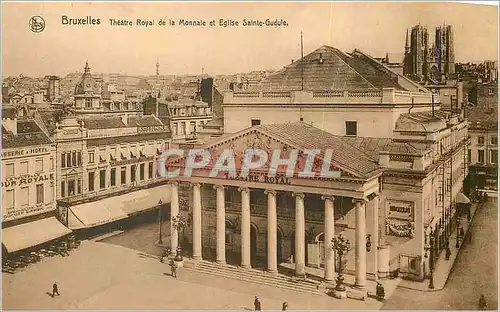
[24,196]
[23,167]
[493,140]
[74,186]
[123,176]
[71,159]
[183,131]
[480,156]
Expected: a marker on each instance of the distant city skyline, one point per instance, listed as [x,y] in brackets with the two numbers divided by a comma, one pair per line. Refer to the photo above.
[374,28]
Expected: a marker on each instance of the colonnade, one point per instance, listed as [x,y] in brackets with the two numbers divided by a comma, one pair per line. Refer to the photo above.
[272,226]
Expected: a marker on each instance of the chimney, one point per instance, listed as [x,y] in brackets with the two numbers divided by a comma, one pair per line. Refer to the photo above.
[10,125]
[292,61]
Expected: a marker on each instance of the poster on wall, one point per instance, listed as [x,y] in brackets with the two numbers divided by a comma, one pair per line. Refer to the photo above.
[400,210]
[399,218]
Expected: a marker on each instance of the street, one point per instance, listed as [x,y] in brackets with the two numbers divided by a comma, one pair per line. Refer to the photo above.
[474,273]
[102,276]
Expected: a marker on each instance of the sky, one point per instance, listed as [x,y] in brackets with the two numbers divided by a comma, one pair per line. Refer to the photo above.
[375,28]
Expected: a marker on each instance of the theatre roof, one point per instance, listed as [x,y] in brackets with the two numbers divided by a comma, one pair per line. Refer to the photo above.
[328,68]
[352,162]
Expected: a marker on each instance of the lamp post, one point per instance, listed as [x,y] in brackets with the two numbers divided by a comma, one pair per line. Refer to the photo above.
[179,223]
[431,259]
[160,220]
[342,246]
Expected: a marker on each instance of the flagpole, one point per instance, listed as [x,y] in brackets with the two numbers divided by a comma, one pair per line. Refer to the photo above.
[302,60]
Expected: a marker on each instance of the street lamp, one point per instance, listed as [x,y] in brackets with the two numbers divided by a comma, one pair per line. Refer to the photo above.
[160,219]
[178,223]
[342,246]
[430,248]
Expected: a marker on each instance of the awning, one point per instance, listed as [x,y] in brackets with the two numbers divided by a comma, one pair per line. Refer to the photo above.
[31,234]
[146,199]
[117,207]
[462,199]
[95,213]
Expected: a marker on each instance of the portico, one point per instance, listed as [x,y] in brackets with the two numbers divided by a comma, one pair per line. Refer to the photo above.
[271,204]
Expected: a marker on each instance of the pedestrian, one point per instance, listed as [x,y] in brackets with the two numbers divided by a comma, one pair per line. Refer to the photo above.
[173,267]
[482,303]
[470,237]
[256,304]
[163,255]
[55,290]
[448,253]
[285,306]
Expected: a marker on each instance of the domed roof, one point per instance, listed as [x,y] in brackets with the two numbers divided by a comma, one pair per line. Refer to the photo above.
[87,83]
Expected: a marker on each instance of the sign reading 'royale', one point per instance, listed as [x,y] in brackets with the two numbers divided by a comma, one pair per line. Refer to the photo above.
[27,179]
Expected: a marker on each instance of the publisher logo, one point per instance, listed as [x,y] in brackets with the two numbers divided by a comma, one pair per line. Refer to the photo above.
[37,24]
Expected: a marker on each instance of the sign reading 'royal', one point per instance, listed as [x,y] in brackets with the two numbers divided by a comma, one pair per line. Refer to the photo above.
[278,179]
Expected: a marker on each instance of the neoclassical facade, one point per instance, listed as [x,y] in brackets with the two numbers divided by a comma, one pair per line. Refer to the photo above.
[389,198]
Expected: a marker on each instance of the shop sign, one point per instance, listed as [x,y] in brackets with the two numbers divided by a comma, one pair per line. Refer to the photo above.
[130,161]
[151,129]
[25,152]
[27,179]
[19,212]
[400,210]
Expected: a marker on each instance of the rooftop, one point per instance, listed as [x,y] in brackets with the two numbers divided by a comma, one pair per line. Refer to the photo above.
[29,134]
[482,118]
[423,121]
[328,68]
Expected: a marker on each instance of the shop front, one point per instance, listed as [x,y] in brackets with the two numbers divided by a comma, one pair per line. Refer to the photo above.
[96,216]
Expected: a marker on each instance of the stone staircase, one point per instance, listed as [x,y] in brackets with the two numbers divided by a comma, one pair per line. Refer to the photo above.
[255,276]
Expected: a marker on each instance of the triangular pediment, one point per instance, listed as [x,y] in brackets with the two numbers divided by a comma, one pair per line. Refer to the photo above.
[259,139]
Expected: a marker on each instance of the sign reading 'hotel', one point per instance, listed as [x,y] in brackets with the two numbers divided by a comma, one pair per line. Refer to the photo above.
[25,152]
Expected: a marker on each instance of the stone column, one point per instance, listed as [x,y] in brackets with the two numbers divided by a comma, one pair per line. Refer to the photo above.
[300,235]
[272,232]
[245,227]
[360,252]
[174,212]
[221,224]
[197,251]
[328,235]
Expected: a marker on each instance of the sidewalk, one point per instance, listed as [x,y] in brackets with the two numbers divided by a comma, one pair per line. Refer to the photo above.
[390,285]
[443,267]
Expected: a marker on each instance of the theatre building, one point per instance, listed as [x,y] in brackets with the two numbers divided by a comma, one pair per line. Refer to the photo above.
[402,162]
[28,185]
